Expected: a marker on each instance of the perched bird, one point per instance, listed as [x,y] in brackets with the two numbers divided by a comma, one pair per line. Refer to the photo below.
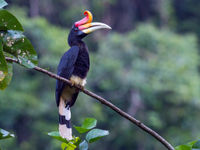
[74,66]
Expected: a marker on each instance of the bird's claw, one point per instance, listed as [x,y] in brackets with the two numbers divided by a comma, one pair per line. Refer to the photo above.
[81,87]
[77,85]
[72,83]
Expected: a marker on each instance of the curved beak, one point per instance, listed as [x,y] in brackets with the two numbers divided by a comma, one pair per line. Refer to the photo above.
[86,25]
[93,26]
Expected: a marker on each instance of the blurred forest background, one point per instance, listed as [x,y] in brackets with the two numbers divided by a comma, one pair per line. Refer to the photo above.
[148,65]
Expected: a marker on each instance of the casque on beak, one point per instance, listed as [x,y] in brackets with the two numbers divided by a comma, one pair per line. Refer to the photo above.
[87,26]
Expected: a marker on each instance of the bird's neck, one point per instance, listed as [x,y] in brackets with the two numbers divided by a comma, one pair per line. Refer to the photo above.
[81,45]
[78,43]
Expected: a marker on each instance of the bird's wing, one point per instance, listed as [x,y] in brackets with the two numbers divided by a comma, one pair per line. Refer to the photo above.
[65,69]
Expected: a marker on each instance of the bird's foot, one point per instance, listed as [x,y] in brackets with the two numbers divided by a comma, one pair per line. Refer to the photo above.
[72,82]
[77,85]
[80,86]
[78,82]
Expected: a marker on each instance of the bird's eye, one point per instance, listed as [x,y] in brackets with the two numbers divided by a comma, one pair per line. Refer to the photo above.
[76,29]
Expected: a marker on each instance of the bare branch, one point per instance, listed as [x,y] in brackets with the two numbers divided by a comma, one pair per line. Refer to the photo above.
[108,104]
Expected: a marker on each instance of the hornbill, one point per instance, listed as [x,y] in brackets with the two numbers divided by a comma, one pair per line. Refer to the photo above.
[74,66]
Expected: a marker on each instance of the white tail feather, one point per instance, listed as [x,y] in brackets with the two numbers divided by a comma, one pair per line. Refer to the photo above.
[67,113]
[65,132]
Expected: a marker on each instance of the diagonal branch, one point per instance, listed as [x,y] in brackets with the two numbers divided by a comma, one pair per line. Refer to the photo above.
[108,104]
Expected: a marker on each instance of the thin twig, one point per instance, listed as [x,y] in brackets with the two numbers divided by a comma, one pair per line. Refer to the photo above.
[108,104]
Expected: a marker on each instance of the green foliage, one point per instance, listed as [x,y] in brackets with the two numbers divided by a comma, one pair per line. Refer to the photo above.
[151,70]
[17,45]
[183,147]
[6,81]
[57,136]
[68,146]
[95,135]
[3,64]
[88,124]
[9,21]
[83,145]
[195,145]
[5,134]
[5,71]
[72,144]
[156,59]
[160,61]
[13,44]
[92,136]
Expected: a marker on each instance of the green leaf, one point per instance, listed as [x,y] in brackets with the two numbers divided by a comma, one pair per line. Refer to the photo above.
[6,81]
[96,134]
[183,147]
[88,124]
[68,146]
[3,3]
[76,141]
[83,145]
[196,145]
[191,143]
[9,22]
[56,135]
[5,70]
[5,134]
[16,44]
[9,55]
[3,64]
[80,129]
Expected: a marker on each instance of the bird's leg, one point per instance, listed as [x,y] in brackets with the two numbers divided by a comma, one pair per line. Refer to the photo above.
[81,86]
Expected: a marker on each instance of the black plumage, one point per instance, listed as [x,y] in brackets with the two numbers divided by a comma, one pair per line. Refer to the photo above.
[74,66]
[74,62]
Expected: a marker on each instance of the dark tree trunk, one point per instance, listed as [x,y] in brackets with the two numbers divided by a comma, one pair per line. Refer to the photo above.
[22,128]
[34,8]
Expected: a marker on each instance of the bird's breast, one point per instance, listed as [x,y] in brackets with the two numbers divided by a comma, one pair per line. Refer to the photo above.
[67,93]
[82,65]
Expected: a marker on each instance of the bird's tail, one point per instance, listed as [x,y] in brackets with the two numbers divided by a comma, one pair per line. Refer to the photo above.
[65,128]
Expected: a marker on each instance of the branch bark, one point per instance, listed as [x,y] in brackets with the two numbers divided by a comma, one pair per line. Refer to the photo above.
[108,104]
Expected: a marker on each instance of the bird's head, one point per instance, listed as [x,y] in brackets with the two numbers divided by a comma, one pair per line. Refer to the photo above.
[85,26]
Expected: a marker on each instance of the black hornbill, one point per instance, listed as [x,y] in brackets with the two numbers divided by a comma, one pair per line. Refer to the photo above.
[74,66]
